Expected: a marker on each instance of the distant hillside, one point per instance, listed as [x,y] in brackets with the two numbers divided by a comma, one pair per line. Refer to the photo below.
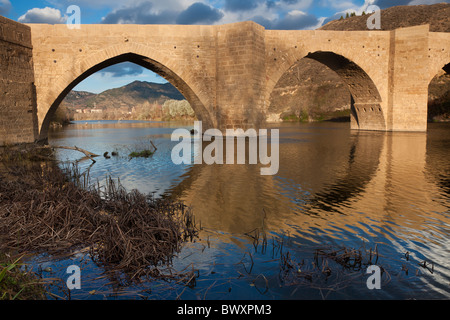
[138,100]
[436,15]
[130,95]
[311,91]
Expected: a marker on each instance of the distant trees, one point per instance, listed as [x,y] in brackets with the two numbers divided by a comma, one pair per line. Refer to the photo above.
[352,14]
[61,115]
[169,110]
[177,109]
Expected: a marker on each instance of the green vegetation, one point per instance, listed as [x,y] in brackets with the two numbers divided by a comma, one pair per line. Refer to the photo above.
[61,117]
[352,14]
[145,152]
[305,116]
[302,117]
[141,154]
[17,284]
[291,117]
[176,109]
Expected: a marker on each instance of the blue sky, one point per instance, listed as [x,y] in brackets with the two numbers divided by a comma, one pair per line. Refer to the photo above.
[272,14]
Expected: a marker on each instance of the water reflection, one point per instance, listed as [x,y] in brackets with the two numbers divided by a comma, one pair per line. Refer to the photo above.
[334,187]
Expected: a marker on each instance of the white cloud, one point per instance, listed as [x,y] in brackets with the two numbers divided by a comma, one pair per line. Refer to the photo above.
[320,22]
[144,11]
[45,15]
[5,6]
[157,5]
[276,13]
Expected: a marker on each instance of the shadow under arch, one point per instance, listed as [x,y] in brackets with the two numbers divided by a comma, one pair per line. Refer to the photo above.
[439,94]
[363,161]
[366,110]
[200,111]
[446,68]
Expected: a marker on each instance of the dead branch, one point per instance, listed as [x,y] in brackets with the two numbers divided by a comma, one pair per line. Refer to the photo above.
[88,154]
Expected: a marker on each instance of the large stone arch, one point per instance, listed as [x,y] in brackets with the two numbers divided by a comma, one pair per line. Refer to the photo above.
[438,54]
[438,93]
[366,112]
[139,54]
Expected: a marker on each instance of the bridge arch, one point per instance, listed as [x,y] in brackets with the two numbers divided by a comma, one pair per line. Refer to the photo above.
[437,104]
[366,109]
[138,54]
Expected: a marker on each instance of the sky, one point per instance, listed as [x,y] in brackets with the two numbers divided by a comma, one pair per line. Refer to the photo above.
[272,14]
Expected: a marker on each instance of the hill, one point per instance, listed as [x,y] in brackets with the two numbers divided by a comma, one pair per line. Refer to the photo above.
[137,100]
[311,91]
[130,95]
[436,15]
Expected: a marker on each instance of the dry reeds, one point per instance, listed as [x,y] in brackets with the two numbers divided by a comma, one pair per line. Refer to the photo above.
[46,209]
[330,269]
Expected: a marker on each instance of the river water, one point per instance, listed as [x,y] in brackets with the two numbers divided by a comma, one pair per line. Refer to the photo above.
[384,195]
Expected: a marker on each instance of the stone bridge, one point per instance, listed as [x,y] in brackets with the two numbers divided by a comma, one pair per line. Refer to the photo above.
[226,72]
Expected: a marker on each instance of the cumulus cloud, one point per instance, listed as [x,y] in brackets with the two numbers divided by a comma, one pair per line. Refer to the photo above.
[5,6]
[293,20]
[142,13]
[239,5]
[123,69]
[296,20]
[289,5]
[159,12]
[199,13]
[45,15]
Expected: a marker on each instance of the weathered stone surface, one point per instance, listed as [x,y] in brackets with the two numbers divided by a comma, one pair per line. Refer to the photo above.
[18,123]
[228,72]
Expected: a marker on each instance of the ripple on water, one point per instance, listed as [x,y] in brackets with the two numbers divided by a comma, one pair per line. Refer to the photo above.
[335,188]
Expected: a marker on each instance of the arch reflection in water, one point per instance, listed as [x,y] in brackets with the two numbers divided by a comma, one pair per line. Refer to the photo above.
[335,187]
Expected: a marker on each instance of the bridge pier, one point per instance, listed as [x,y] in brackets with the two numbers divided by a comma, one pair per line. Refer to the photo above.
[240,76]
[18,120]
[408,79]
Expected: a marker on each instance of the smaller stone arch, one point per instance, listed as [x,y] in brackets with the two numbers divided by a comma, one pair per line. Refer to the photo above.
[74,75]
[366,110]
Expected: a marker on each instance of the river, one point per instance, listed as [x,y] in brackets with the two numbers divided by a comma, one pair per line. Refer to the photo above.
[385,195]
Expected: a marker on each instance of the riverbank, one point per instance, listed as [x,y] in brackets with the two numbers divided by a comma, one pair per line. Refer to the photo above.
[46,209]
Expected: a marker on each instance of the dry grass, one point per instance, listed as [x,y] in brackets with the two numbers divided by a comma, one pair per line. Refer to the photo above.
[46,209]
